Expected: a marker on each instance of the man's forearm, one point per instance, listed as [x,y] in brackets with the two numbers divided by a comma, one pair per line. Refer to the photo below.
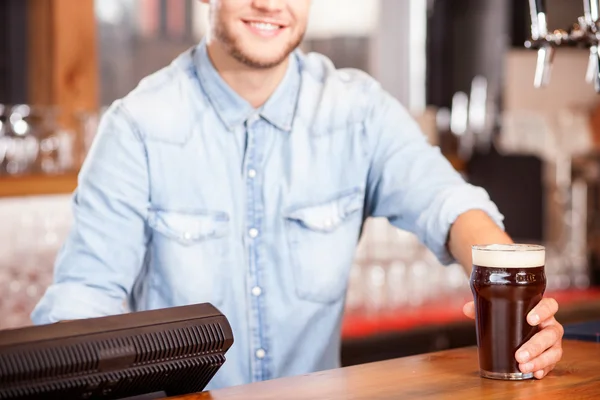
[472,228]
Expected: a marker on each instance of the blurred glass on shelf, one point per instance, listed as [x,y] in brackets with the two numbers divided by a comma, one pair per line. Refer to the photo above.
[33,141]
[36,140]
[394,274]
[19,142]
[393,271]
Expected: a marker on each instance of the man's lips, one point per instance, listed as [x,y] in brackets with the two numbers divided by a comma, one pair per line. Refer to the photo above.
[265,27]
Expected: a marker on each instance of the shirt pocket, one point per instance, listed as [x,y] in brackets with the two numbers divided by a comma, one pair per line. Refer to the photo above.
[190,251]
[322,239]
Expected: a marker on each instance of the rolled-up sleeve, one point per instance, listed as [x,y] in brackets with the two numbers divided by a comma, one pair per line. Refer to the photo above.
[104,252]
[412,184]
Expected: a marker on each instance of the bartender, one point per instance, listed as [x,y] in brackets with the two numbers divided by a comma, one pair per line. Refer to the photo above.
[241,175]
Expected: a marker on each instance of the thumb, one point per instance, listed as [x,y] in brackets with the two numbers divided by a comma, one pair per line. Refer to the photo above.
[469,310]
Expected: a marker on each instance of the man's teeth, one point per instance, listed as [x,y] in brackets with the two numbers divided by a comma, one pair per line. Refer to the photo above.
[264,26]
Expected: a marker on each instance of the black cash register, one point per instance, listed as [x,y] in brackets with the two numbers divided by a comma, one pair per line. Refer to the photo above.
[145,354]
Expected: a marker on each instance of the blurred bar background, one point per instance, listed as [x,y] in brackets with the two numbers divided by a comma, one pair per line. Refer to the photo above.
[459,66]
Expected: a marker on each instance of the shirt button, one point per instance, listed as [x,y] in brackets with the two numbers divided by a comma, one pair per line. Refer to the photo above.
[252,173]
[344,76]
[253,118]
[328,223]
[260,354]
[187,236]
[256,291]
[253,232]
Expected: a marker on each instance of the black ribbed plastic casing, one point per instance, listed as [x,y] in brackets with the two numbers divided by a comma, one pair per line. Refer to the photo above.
[176,351]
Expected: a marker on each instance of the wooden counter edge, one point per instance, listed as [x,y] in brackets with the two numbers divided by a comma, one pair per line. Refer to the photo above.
[576,352]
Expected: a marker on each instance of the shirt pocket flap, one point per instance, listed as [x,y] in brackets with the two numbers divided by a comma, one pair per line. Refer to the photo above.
[188,228]
[329,215]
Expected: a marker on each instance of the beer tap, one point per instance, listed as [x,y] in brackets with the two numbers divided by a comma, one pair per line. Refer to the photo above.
[539,31]
[590,12]
[590,20]
[584,33]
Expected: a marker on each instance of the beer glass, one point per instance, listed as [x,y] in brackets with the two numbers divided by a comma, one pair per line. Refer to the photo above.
[507,282]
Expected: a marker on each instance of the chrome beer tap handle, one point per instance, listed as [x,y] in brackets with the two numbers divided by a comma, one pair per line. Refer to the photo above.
[591,14]
[543,66]
[539,33]
[593,70]
[539,23]
[585,33]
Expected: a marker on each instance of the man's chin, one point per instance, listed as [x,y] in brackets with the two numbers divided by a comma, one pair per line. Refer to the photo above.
[260,61]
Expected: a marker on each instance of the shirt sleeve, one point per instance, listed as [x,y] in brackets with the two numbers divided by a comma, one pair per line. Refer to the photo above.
[104,252]
[412,184]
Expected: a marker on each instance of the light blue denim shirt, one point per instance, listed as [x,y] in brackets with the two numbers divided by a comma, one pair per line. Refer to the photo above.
[190,195]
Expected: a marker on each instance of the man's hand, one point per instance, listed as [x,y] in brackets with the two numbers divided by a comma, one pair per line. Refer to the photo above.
[541,353]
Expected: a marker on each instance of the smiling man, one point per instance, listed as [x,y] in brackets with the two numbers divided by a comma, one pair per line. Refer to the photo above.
[241,175]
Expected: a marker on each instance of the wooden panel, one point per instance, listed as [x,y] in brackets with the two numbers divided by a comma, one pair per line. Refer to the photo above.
[40,52]
[63,56]
[449,374]
[75,73]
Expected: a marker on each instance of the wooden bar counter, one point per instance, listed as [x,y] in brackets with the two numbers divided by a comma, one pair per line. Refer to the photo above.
[451,374]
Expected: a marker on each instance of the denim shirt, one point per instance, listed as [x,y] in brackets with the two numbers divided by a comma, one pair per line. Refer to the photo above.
[191,195]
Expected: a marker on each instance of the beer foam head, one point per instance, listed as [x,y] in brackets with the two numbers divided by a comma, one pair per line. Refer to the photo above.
[509,256]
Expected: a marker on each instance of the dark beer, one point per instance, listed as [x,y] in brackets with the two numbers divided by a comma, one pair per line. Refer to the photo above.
[507,283]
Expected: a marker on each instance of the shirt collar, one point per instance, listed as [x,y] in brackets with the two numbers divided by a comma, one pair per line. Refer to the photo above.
[233,110]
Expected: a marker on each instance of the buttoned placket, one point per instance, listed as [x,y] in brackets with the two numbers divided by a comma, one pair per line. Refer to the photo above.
[254,217]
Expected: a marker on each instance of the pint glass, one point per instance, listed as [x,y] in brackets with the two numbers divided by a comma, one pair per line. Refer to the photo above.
[507,281]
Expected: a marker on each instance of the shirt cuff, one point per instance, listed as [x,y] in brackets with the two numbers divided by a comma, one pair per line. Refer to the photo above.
[68,301]
[451,204]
